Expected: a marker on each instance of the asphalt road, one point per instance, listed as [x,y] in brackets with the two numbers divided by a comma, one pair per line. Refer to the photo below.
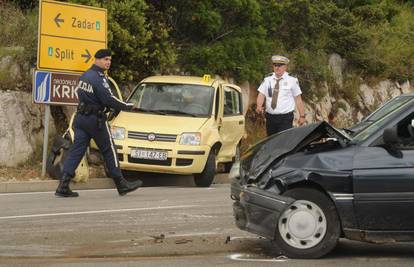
[155,226]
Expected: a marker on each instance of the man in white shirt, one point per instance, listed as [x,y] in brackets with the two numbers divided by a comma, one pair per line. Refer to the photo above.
[280,93]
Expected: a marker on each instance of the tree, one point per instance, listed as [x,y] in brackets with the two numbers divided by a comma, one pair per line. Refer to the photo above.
[224,37]
[140,42]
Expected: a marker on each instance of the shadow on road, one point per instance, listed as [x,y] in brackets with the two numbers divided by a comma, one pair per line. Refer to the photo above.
[262,248]
[160,179]
[347,248]
[157,179]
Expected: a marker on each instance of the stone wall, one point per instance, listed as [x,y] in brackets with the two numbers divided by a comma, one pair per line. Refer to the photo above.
[342,113]
[21,128]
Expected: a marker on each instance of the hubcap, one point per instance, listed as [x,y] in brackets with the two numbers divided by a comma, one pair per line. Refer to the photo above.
[302,225]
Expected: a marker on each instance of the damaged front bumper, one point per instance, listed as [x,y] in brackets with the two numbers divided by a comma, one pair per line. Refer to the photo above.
[256,210]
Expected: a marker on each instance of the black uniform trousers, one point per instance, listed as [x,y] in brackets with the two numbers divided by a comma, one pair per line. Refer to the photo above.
[85,129]
[278,122]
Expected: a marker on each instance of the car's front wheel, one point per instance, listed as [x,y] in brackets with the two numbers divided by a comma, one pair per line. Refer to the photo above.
[309,227]
[206,177]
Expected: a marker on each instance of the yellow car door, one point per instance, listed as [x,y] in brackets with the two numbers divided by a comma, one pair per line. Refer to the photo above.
[231,122]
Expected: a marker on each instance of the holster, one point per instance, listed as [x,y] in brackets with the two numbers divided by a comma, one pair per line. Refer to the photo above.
[101,119]
[88,109]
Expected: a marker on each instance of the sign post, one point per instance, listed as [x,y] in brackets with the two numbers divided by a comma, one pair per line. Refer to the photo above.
[69,36]
[45,139]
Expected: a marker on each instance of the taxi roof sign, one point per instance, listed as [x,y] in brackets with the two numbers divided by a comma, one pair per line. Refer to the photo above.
[69,35]
[206,77]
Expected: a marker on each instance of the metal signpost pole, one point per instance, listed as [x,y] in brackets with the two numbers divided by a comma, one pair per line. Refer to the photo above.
[45,139]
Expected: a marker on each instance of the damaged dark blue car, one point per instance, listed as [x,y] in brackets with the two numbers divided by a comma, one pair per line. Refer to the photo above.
[306,187]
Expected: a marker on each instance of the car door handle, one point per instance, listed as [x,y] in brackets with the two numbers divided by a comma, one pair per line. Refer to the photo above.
[241,122]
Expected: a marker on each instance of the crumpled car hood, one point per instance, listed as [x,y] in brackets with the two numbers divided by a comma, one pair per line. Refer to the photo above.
[258,158]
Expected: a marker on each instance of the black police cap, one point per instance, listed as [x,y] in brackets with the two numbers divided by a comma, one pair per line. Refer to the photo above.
[101,53]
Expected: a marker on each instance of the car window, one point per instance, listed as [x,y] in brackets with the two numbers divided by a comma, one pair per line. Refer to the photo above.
[232,102]
[173,99]
[404,127]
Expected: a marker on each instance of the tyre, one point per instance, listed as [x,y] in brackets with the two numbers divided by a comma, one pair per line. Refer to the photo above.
[206,177]
[58,153]
[309,227]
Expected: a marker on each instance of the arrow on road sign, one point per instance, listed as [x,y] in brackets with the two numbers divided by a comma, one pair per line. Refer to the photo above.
[88,55]
[58,20]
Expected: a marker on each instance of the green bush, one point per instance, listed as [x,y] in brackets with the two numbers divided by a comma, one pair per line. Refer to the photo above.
[18,29]
[311,68]
[350,89]
[139,37]
[12,23]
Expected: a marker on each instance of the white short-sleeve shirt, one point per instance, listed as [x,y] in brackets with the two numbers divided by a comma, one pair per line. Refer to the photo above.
[288,90]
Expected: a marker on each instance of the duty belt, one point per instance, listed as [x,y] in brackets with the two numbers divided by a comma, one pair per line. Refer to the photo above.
[87,109]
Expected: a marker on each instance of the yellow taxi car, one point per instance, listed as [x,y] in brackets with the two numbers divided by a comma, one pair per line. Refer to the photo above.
[180,125]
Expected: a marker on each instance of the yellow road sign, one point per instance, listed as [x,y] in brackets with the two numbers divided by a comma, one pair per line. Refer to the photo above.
[69,35]
[74,55]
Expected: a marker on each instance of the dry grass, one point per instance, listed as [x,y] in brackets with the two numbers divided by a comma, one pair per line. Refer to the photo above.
[33,173]
[255,128]
[21,173]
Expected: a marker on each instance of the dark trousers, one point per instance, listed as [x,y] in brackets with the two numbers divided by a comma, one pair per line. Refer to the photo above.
[86,128]
[278,122]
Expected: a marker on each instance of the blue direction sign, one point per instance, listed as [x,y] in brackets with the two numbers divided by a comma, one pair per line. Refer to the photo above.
[55,88]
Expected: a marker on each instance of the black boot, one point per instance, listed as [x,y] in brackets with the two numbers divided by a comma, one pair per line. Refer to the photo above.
[124,187]
[63,189]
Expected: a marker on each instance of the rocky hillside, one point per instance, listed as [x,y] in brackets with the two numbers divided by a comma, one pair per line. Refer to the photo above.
[343,112]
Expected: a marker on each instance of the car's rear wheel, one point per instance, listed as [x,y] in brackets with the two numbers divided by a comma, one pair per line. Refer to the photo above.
[206,177]
[309,227]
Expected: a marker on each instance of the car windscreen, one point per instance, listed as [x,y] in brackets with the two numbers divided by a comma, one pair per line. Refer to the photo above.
[389,106]
[173,99]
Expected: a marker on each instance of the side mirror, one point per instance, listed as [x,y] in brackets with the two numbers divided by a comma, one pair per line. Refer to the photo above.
[391,141]
[390,136]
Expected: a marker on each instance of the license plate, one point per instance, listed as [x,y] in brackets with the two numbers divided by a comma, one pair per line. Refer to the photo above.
[148,154]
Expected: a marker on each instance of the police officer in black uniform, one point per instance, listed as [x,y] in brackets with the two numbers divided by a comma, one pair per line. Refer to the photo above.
[90,122]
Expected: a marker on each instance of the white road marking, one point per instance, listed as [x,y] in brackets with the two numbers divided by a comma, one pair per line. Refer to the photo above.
[95,212]
[238,257]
